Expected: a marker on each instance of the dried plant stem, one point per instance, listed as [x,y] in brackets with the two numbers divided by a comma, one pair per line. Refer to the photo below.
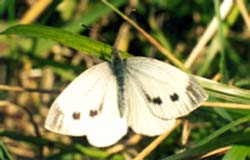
[21,89]
[154,42]
[11,88]
[215,152]
[6,103]
[156,142]
[244,13]
[208,34]
[120,147]
[34,11]
[226,105]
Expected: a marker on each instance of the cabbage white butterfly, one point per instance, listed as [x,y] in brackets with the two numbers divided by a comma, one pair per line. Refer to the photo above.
[142,93]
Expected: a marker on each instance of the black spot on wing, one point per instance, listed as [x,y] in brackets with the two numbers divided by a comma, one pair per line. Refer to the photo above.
[93,113]
[76,115]
[155,100]
[174,97]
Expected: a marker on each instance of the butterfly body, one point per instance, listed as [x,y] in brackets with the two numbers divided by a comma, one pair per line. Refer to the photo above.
[118,68]
[142,93]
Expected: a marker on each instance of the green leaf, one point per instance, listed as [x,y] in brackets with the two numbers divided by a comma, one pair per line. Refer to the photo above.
[91,151]
[239,152]
[78,42]
[67,38]
[92,13]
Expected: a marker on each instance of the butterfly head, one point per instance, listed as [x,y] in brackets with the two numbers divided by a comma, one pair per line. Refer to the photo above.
[116,58]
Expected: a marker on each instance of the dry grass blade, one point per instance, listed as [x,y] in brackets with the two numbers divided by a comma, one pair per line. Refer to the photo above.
[244,13]
[156,142]
[154,42]
[226,105]
[35,11]
[215,152]
[208,34]
[22,89]
[133,140]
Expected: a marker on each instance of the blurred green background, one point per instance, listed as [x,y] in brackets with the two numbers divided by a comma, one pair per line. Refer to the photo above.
[45,44]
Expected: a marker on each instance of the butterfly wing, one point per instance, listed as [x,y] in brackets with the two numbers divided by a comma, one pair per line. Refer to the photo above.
[140,117]
[109,127]
[88,106]
[166,92]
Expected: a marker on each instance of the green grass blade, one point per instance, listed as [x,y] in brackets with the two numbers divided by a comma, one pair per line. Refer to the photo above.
[37,141]
[222,130]
[239,152]
[67,38]
[229,139]
[222,64]
[225,92]
[4,154]
[11,10]
[90,17]
[213,47]
[76,41]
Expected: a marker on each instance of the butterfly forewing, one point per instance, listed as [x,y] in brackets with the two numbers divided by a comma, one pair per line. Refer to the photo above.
[88,106]
[169,92]
[140,118]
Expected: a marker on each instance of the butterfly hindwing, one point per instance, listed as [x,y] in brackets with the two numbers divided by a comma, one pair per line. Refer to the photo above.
[169,92]
[88,106]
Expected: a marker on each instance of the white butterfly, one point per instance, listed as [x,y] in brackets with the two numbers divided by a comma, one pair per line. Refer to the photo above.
[142,93]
